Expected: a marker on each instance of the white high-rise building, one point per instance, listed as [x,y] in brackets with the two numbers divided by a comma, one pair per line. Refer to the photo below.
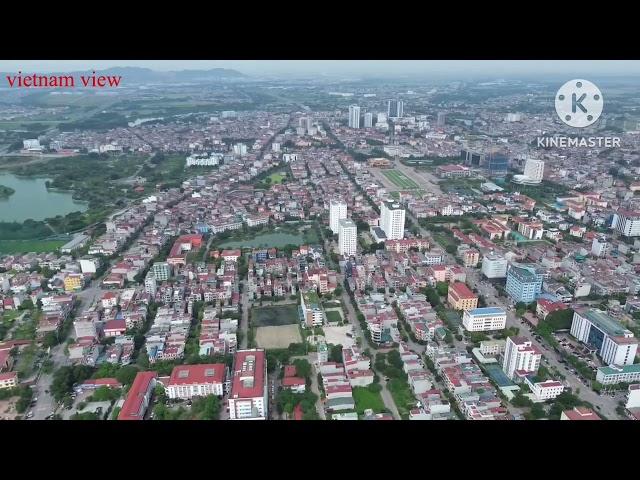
[337,212]
[354,116]
[615,344]
[392,220]
[441,119]
[240,149]
[368,120]
[534,170]
[494,266]
[626,222]
[521,357]
[347,237]
[600,247]
[150,284]
[248,399]
[381,117]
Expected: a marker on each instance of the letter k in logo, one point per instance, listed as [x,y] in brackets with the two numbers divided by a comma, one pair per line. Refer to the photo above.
[578,103]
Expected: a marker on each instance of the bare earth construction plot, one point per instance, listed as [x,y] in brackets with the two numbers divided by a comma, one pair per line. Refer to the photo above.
[400,179]
[277,326]
[277,337]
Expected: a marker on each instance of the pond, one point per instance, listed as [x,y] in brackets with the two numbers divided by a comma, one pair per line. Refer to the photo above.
[277,240]
[33,201]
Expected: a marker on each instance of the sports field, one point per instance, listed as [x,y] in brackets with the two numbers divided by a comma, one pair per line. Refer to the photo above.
[400,179]
[25,246]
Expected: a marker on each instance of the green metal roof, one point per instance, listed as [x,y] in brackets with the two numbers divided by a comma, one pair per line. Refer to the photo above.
[605,323]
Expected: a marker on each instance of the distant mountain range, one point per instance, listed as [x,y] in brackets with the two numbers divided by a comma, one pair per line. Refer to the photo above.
[146,75]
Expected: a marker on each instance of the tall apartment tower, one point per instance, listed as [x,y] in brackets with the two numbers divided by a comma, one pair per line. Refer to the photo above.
[534,170]
[521,357]
[354,116]
[347,237]
[368,120]
[392,220]
[395,108]
[337,212]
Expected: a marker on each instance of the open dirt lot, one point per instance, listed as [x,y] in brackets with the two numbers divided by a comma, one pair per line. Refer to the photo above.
[8,409]
[338,335]
[277,337]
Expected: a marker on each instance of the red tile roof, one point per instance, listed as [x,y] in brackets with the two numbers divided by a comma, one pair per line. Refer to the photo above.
[248,374]
[131,410]
[206,373]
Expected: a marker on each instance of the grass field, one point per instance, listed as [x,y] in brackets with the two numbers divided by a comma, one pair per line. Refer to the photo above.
[333,316]
[274,315]
[25,246]
[365,399]
[276,177]
[400,179]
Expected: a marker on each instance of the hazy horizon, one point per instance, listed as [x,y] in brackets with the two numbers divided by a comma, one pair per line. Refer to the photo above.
[399,68]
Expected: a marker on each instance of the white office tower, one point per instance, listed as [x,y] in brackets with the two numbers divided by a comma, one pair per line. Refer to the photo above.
[275,147]
[392,220]
[381,117]
[534,170]
[521,357]
[494,266]
[513,117]
[600,247]
[354,116]
[368,120]
[442,119]
[309,124]
[337,212]
[627,222]
[347,237]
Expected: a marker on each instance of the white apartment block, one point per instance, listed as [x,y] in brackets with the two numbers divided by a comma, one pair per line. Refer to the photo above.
[392,217]
[347,237]
[354,116]
[494,266]
[337,212]
[520,357]
[534,170]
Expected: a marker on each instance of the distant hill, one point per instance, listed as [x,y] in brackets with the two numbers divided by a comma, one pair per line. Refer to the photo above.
[146,75]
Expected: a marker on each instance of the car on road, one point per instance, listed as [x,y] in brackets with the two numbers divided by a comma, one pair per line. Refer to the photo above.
[29,415]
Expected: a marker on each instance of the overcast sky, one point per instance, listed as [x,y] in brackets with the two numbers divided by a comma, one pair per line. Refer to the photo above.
[494,68]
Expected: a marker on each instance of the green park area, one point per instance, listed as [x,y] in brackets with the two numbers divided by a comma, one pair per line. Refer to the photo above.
[400,179]
[276,178]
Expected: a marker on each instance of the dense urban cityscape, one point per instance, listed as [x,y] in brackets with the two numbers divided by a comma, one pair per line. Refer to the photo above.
[219,246]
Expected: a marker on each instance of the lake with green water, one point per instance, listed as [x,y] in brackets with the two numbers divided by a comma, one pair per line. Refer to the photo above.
[33,201]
